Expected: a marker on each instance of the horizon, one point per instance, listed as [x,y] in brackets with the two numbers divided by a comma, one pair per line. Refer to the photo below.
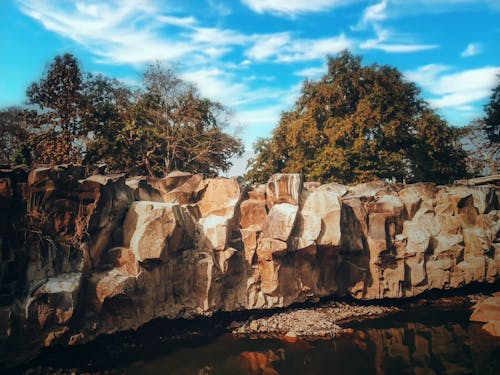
[253,55]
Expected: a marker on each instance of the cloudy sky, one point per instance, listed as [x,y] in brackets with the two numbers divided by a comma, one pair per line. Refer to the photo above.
[253,55]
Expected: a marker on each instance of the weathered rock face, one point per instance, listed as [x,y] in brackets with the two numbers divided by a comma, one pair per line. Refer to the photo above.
[87,256]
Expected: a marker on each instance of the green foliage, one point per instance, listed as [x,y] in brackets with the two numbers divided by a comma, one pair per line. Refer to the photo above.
[75,117]
[13,134]
[167,126]
[492,118]
[57,105]
[359,123]
[483,156]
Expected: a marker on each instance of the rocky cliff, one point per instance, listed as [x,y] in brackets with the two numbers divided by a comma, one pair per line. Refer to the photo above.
[83,256]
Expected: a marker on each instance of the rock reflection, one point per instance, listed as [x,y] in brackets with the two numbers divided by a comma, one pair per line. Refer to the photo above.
[258,363]
[419,349]
[430,343]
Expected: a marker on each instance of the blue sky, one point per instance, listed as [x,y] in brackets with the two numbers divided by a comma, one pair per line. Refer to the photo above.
[253,55]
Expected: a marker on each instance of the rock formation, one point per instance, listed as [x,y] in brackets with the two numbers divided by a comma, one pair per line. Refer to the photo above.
[83,256]
[488,311]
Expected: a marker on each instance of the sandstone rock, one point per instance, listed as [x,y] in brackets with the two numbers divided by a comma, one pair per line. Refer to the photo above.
[111,284]
[143,190]
[284,188]
[448,244]
[55,301]
[280,221]
[319,218]
[271,245]
[368,189]
[154,230]
[483,197]
[418,238]
[219,251]
[354,224]
[334,187]
[269,271]
[249,239]
[258,193]
[122,259]
[477,242]
[253,214]
[184,193]
[448,224]
[417,272]
[220,197]
[311,185]
[172,180]
[104,201]
[487,310]
[493,327]
[215,232]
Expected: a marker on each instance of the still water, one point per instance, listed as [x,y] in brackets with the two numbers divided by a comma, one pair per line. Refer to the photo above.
[430,342]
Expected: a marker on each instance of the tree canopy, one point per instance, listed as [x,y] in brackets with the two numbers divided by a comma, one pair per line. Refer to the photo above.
[163,125]
[359,123]
[481,138]
[492,118]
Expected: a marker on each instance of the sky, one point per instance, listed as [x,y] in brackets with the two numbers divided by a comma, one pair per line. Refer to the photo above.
[253,55]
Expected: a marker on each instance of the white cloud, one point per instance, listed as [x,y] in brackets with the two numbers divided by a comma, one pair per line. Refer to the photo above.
[472,49]
[177,21]
[393,43]
[268,46]
[375,12]
[116,31]
[458,90]
[312,72]
[283,48]
[292,7]
[427,75]
[216,36]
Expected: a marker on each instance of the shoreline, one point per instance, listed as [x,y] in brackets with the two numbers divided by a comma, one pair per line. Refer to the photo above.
[330,319]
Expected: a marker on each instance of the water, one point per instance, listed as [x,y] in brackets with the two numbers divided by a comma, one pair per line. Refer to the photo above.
[431,342]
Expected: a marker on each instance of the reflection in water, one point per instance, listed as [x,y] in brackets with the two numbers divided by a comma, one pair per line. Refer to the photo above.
[391,346]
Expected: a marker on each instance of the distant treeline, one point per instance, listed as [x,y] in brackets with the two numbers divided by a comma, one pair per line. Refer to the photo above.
[356,123]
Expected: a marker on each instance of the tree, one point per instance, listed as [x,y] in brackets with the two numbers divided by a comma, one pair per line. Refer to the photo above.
[112,112]
[13,134]
[492,118]
[359,123]
[57,105]
[483,155]
[163,127]
[437,154]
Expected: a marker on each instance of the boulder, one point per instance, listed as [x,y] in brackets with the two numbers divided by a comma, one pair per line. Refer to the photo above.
[220,197]
[55,301]
[111,284]
[488,311]
[184,188]
[253,214]
[215,232]
[154,230]
[143,189]
[280,221]
[319,218]
[284,188]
